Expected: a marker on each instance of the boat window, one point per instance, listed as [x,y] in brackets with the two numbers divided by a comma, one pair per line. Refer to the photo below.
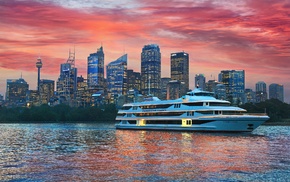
[178,122]
[177,105]
[121,114]
[205,112]
[217,112]
[156,106]
[159,114]
[232,112]
[189,113]
[206,104]
[135,107]
[194,104]
[204,94]
[218,104]
[126,107]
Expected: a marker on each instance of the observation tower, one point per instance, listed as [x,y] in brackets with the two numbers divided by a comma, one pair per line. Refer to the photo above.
[38,66]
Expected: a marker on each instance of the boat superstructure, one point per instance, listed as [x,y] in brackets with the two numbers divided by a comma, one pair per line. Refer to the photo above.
[196,111]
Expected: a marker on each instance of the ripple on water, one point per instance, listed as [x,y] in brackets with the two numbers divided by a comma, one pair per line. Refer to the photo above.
[86,152]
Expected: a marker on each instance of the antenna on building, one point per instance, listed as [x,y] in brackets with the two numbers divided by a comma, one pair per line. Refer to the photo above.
[71,58]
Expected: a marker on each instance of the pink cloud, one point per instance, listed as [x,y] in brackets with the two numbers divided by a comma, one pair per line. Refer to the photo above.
[250,35]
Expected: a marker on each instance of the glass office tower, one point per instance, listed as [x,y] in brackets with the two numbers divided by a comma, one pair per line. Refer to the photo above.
[117,76]
[276,91]
[16,90]
[234,81]
[96,69]
[151,70]
[261,92]
[180,68]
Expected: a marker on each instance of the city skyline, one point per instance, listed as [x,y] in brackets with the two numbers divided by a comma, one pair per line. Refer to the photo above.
[216,35]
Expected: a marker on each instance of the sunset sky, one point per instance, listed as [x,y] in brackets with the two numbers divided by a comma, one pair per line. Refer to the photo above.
[218,35]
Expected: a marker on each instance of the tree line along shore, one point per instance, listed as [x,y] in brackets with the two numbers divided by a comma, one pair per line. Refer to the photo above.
[279,113]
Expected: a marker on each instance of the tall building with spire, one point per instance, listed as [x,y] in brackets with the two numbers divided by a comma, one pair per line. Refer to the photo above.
[151,70]
[180,68]
[95,77]
[66,86]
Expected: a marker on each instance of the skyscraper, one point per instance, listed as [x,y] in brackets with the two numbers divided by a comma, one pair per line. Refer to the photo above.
[180,68]
[16,90]
[133,80]
[234,81]
[250,96]
[261,92]
[276,91]
[210,85]
[117,76]
[151,70]
[174,89]
[67,83]
[200,81]
[46,90]
[96,69]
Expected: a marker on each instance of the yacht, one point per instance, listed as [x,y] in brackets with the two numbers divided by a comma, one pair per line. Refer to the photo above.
[196,111]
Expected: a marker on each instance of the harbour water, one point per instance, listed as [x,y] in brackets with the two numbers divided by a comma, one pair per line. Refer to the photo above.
[99,152]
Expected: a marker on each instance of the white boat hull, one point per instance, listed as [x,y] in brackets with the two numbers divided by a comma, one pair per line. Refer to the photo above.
[217,124]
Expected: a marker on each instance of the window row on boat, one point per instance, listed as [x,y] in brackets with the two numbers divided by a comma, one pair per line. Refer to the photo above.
[177,122]
[177,105]
[188,113]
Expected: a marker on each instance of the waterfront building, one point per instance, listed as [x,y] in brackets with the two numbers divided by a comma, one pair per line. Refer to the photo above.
[117,76]
[151,70]
[234,81]
[46,90]
[276,91]
[200,81]
[180,68]
[16,90]
[66,86]
[175,89]
[210,85]
[164,82]
[261,92]
[1,99]
[32,98]
[84,96]
[133,80]
[220,91]
[96,69]
[250,96]
[133,95]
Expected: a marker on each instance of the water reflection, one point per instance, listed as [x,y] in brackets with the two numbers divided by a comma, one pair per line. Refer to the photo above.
[99,152]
